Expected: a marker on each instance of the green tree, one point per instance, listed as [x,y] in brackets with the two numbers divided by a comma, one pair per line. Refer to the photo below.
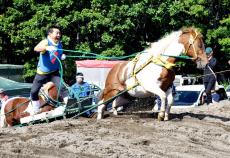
[107,27]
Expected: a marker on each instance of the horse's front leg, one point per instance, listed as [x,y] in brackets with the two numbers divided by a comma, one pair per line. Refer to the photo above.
[162,95]
[161,114]
[100,110]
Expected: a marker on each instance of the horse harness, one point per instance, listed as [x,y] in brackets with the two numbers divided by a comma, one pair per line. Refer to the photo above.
[156,60]
[47,99]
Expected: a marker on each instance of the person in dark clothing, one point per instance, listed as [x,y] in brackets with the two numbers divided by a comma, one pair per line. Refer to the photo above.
[209,76]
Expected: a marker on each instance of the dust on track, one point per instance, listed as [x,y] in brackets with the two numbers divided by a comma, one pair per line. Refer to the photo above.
[197,132]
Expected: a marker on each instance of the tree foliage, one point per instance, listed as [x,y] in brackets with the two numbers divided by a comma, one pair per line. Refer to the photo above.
[108,27]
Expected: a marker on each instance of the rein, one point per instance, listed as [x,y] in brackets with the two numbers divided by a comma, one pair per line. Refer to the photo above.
[96,56]
[219,72]
[179,57]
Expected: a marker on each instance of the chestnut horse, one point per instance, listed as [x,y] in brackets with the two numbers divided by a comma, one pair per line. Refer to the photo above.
[151,71]
[18,107]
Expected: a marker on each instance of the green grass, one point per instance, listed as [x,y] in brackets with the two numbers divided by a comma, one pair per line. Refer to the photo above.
[225,83]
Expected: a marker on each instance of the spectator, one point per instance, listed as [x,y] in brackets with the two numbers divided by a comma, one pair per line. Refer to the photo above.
[209,79]
[81,88]
[80,91]
[3,97]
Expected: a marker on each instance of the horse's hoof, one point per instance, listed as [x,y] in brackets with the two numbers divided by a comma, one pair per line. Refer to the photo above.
[115,113]
[93,115]
[166,117]
[161,116]
[99,116]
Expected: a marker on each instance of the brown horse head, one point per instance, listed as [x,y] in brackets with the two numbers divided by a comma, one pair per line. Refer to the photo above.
[51,90]
[14,108]
[194,46]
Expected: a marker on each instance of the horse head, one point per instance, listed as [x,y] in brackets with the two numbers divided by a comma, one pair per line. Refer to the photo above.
[194,46]
[50,90]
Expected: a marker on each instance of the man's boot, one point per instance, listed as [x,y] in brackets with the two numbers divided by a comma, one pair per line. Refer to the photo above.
[35,107]
[65,99]
[61,109]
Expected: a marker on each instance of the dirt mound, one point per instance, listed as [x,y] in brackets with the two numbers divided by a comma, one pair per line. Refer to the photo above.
[197,132]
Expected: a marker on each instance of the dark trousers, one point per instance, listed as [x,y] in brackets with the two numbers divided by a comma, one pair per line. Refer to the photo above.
[39,80]
[209,85]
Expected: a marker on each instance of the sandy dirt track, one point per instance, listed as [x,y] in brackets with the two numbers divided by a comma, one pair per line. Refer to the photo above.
[198,132]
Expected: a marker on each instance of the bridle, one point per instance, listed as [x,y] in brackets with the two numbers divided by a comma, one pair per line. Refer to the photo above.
[48,100]
[191,43]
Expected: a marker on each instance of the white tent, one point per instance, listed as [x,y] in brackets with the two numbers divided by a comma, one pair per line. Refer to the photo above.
[95,71]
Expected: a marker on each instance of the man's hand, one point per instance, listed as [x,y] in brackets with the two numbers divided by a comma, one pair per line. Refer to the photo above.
[63,57]
[209,58]
[51,48]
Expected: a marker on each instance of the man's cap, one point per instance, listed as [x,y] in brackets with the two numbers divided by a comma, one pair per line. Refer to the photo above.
[2,90]
[79,74]
[208,50]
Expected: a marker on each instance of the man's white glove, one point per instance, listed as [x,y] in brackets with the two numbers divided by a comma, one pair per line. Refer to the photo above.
[51,48]
[63,57]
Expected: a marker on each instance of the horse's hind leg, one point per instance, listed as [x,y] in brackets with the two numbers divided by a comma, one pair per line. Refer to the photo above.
[100,110]
[118,102]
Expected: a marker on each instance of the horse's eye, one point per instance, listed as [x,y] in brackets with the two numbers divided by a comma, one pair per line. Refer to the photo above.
[200,45]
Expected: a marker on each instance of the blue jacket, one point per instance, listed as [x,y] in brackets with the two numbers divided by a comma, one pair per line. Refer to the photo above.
[80,90]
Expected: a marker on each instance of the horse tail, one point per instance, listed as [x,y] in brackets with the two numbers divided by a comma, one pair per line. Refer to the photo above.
[3,123]
[100,95]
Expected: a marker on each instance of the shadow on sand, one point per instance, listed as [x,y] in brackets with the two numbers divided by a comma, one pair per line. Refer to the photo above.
[176,117]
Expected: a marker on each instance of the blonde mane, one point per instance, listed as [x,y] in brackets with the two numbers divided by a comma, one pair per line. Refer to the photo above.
[161,45]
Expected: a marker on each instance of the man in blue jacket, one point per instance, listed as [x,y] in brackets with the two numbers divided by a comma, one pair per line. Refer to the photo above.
[209,76]
[48,66]
[81,88]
